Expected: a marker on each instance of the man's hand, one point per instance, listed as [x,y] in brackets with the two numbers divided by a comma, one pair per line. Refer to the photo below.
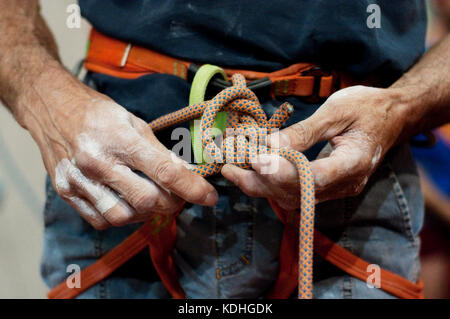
[92,149]
[102,160]
[360,123]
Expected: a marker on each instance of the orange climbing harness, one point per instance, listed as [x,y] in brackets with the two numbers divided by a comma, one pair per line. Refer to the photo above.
[246,118]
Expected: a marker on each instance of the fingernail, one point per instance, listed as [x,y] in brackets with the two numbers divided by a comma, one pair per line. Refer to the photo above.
[211,198]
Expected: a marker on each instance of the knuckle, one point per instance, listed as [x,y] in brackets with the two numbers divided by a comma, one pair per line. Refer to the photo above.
[130,141]
[143,202]
[131,147]
[302,134]
[166,173]
[83,160]
[89,165]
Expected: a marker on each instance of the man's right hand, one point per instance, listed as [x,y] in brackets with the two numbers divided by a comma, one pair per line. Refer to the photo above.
[92,148]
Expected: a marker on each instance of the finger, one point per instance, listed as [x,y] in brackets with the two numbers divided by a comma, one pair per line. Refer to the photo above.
[339,191]
[152,158]
[325,123]
[107,202]
[88,212]
[161,168]
[72,184]
[331,170]
[137,190]
[256,185]
[114,209]
[250,182]
[344,173]
[278,170]
[141,193]
[283,181]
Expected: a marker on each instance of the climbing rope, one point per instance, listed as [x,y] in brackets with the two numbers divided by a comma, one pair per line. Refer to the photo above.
[246,121]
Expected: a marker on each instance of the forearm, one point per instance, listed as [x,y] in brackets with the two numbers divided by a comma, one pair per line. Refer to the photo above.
[424,91]
[30,72]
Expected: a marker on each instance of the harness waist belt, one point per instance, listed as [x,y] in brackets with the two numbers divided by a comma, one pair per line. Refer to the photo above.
[121,59]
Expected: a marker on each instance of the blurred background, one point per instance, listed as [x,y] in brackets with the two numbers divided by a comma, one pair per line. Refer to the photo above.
[22,178]
[434,166]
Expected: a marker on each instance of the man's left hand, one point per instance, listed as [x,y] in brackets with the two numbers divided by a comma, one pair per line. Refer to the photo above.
[360,123]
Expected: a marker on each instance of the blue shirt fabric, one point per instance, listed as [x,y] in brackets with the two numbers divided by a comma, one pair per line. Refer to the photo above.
[269,35]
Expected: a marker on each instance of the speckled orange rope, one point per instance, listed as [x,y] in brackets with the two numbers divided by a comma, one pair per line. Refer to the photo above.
[246,118]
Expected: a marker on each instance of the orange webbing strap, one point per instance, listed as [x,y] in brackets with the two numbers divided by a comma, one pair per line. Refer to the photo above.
[285,284]
[357,267]
[336,255]
[159,234]
[161,246]
[288,267]
[120,59]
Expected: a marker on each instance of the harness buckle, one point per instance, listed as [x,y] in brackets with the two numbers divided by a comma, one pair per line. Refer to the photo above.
[125,55]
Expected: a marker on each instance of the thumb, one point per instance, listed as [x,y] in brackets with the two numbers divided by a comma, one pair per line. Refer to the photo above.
[324,124]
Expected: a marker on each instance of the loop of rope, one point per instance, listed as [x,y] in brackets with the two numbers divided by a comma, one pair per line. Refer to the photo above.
[240,146]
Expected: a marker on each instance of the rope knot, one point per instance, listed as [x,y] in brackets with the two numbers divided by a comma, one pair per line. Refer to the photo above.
[247,125]
[246,120]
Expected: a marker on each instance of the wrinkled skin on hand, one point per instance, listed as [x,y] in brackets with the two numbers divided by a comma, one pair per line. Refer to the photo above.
[93,150]
[360,123]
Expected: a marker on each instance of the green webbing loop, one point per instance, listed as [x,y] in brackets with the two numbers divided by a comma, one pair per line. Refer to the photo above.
[88,45]
[197,94]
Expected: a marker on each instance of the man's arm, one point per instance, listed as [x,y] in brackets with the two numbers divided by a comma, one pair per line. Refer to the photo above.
[361,125]
[91,146]
[27,48]
[425,91]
